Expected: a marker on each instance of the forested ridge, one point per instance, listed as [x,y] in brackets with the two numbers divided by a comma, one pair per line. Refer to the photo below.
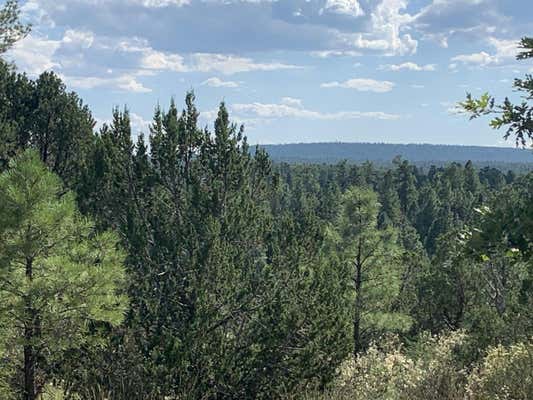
[183,265]
[383,154]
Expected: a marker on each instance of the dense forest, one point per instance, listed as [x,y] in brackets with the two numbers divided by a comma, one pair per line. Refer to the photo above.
[421,155]
[182,265]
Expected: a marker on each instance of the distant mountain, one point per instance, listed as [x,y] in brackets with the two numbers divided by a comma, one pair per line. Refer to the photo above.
[383,153]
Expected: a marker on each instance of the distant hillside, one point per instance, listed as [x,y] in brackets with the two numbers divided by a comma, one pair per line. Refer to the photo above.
[382,153]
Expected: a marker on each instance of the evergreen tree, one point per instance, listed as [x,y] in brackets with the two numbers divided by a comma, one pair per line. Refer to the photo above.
[407,189]
[16,92]
[390,213]
[443,289]
[219,285]
[373,257]
[42,115]
[429,224]
[58,275]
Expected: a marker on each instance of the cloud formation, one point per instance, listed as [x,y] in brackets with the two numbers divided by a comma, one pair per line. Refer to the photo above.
[504,51]
[362,85]
[285,110]
[249,25]
[411,66]
[152,49]
[347,7]
[219,83]
[441,20]
[89,61]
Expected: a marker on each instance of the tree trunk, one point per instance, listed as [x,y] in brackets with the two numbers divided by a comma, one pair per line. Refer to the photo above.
[30,322]
[358,303]
[29,368]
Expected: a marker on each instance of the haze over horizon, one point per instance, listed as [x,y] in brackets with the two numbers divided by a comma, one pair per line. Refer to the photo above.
[290,70]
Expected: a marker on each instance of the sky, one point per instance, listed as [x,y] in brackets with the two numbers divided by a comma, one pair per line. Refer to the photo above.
[289,70]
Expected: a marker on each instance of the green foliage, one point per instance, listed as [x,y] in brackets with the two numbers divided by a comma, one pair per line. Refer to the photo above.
[11,29]
[229,299]
[57,274]
[516,117]
[372,256]
[42,115]
[500,247]
[246,279]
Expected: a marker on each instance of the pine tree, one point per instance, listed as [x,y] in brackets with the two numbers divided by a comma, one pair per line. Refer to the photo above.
[57,273]
[374,258]
[390,213]
[16,97]
[44,116]
[407,189]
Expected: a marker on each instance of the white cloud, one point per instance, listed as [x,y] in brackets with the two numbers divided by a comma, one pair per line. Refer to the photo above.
[127,83]
[411,66]
[217,82]
[263,24]
[362,85]
[231,64]
[161,3]
[32,12]
[82,39]
[67,57]
[335,53]
[226,64]
[87,61]
[389,26]
[34,54]
[387,22]
[505,50]
[284,110]
[482,58]
[348,7]
[384,33]
[256,113]
[157,60]
[139,124]
[291,101]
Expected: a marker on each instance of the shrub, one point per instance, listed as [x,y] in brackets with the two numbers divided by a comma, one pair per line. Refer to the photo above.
[505,373]
[389,372]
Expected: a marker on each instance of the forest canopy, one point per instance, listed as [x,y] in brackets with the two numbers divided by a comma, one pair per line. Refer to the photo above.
[245,278]
[184,265]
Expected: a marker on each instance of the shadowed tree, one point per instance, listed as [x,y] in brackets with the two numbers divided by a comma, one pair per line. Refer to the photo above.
[44,116]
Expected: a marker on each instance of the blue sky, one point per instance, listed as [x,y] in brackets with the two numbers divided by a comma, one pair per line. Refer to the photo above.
[290,70]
